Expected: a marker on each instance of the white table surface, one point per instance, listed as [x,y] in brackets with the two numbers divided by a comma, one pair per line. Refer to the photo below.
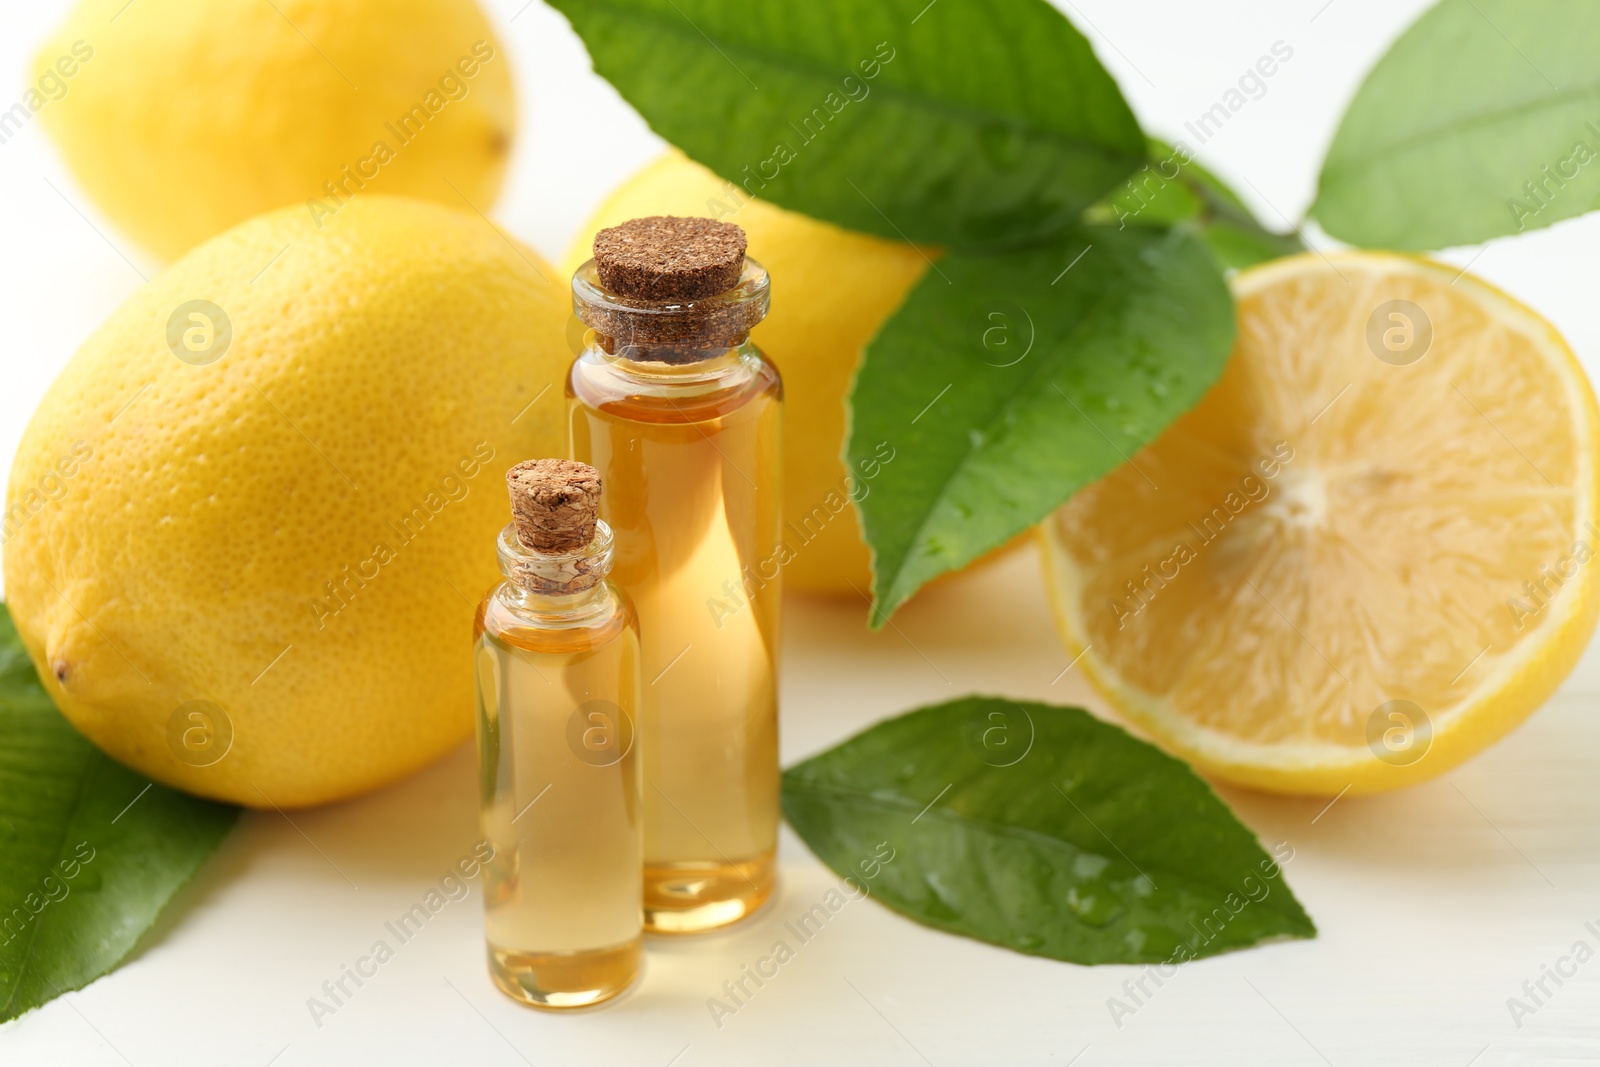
[1434,905]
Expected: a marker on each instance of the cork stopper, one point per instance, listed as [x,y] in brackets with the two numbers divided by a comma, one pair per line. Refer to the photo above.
[663,257]
[554,504]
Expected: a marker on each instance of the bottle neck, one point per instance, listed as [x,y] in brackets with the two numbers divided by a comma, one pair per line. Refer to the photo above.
[569,610]
[668,362]
[667,371]
[566,588]
[659,335]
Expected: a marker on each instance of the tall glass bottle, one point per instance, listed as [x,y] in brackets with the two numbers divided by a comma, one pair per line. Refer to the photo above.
[680,413]
[557,659]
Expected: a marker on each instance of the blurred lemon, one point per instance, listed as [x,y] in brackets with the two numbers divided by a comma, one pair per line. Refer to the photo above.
[832,290]
[247,527]
[184,117]
[1367,554]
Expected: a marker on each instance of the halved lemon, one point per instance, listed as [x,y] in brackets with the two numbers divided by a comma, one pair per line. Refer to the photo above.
[1367,554]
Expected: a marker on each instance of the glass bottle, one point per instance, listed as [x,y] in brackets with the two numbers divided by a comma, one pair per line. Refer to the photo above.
[557,664]
[680,413]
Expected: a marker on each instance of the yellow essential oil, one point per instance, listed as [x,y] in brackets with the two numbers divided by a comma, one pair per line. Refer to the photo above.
[557,661]
[681,415]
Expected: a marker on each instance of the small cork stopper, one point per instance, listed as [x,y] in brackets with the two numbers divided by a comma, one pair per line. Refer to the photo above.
[554,504]
[663,257]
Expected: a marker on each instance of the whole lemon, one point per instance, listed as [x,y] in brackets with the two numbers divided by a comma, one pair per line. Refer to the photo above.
[182,118]
[832,290]
[247,527]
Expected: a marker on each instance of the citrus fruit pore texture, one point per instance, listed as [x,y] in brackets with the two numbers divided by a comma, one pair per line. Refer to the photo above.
[248,525]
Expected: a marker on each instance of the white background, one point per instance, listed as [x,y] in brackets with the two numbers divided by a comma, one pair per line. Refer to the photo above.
[1434,905]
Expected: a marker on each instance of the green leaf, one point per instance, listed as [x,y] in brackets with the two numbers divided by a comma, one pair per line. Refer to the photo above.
[1449,139]
[1171,189]
[1238,245]
[1007,382]
[1041,829]
[965,122]
[92,851]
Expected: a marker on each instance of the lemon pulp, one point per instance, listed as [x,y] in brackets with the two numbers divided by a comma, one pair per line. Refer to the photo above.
[1366,554]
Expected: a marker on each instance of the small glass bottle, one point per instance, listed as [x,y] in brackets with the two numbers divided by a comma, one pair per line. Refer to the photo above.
[557,665]
[681,415]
